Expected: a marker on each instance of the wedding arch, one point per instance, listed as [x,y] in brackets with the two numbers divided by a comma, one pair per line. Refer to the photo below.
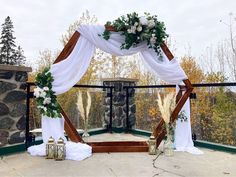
[73,61]
[90,34]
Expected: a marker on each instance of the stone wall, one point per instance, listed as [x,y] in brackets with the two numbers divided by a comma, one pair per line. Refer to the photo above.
[119,102]
[12,104]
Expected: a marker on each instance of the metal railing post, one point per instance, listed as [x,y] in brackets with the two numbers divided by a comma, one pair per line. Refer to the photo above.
[127,110]
[111,112]
[27,116]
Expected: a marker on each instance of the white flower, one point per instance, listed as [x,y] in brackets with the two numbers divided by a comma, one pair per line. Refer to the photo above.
[136,24]
[139,28]
[153,40]
[129,31]
[47,100]
[44,109]
[40,107]
[43,94]
[143,20]
[133,29]
[37,92]
[151,23]
[45,88]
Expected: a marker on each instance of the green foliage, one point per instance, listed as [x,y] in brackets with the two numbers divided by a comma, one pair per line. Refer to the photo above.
[45,98]
[213,115]
[137,29]
[224,112]
[44,79]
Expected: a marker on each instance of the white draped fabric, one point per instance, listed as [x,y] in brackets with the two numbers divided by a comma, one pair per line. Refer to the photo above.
[55,127]
[69,71]
[183,133]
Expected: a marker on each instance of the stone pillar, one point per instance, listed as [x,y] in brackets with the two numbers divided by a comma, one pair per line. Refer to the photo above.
[12,104]
[119,102]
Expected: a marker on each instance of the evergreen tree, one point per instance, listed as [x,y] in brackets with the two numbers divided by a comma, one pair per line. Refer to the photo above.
[8,52]
[19,58]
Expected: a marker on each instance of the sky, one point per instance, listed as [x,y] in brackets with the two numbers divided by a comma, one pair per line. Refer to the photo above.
[192,24]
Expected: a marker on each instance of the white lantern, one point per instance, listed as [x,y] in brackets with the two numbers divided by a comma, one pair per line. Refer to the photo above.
[50,148]
[60,150]
[152,145]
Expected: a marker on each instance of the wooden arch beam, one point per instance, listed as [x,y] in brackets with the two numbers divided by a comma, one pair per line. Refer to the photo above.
[68,126]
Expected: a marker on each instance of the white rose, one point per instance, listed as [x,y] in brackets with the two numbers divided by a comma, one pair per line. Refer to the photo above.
[151,23]
[136,24]
[133,29]
[153,40]
[143,20]
[37,92]
[43,94]
[45,109]
[39,107]
[139,28]
[47,100]
[45,88]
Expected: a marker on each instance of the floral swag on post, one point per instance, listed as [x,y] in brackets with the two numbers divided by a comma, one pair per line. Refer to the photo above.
[45,98]
[139,29]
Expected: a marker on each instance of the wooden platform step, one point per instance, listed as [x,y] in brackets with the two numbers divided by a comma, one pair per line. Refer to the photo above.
[118,146]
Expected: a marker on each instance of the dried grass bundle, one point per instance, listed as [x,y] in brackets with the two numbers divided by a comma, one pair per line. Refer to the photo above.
[88,104]
[166,106]
[84,112]
[80,105]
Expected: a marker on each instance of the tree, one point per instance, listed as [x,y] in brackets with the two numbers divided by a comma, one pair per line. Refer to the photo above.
[19,56]
[46,59]
[86,18]
[8,52]
[192,69]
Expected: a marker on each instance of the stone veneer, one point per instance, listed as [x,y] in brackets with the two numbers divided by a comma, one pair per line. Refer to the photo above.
[119,102]
[12,103]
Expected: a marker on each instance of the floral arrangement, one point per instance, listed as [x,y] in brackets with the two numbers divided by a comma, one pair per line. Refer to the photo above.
[84,112]
[182,116]
[139,29]
[45,97]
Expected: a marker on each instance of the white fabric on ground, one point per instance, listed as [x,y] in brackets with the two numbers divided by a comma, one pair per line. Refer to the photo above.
[55,127]
[183,133]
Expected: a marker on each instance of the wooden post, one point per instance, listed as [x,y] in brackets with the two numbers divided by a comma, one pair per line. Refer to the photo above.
[69,128]
[160,132]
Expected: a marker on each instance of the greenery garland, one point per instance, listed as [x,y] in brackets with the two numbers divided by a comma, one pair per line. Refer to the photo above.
[45,98]
[139,29]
